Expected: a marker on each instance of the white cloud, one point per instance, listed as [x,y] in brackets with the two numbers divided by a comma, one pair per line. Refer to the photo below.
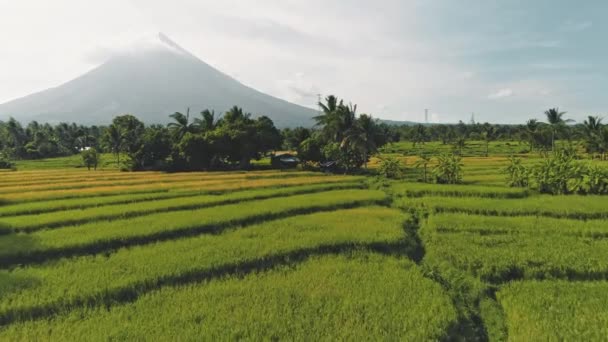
[577,26]
[502,93]
[406,55]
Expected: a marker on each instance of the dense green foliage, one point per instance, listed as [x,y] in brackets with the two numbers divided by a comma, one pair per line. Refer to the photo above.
[559,174]
[90,158]
[391,168]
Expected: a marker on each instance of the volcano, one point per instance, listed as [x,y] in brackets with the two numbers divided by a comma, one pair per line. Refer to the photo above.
[150,82]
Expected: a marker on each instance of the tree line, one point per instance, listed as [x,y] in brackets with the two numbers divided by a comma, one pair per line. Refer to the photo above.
[538,136]
[233,139]
[202,142]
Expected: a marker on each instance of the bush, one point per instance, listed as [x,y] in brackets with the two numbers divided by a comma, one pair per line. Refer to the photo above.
[448,169]
[6,164]
[517,174]
[559,174]
[595,180]
[90,158]
[391,168]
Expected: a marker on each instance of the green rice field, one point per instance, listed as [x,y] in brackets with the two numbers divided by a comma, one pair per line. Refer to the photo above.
[293,255]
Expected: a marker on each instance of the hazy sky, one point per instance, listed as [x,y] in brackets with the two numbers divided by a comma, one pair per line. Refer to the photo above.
[505,60]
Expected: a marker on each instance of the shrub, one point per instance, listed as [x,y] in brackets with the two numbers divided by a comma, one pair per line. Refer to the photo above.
[559,174]
[448,169]
[5,163]
[391,168]
[595,180]
[90,158]
[517,174]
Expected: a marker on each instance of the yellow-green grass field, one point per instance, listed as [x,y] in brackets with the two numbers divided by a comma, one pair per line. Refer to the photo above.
[293,255]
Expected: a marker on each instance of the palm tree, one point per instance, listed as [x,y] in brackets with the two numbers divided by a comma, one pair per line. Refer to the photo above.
[593,134]
[114,139]
[328,109]
[181,125]
[530,132]
[554,117]
[460,144]
[361,136]
[423,161]
[490,133]
[336,118]
[207,122]
[420,135]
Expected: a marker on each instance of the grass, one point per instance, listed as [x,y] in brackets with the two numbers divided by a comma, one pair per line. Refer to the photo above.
[45,206]
[536,225]
[501,258]
[152,204]
[272,305]
[298,255]
[472,148]
[450,190]
[128,273]
[71,162]
[209,187]
[500,249]
[81,183]
[577,207]
[556,310]
[97,237]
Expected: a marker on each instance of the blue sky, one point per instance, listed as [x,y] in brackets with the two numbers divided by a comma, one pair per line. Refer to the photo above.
[506,61]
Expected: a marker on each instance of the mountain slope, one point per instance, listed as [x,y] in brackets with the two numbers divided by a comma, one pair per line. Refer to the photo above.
[151,83]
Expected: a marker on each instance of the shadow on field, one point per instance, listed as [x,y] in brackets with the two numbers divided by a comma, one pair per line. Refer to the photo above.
[110,297]
[11,281]
[5,229]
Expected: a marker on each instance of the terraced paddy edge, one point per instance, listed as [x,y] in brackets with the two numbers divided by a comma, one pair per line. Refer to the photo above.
[536,225]
[47,289]
[574,207]
[78,183]
[201,186]
[40,207]
[105,236]
[179,201]
[313,300]
[425,189]
[518,251]
[556,310]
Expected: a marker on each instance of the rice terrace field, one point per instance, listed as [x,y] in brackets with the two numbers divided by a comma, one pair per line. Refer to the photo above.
[296,255]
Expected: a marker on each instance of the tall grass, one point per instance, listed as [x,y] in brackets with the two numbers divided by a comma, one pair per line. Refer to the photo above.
[576,207]
[556,310]
[106,235]
[453,190]
[163,203]
[523,254]
[212,186]
[538,225]
[204,179]
[358,297]
[128,273]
